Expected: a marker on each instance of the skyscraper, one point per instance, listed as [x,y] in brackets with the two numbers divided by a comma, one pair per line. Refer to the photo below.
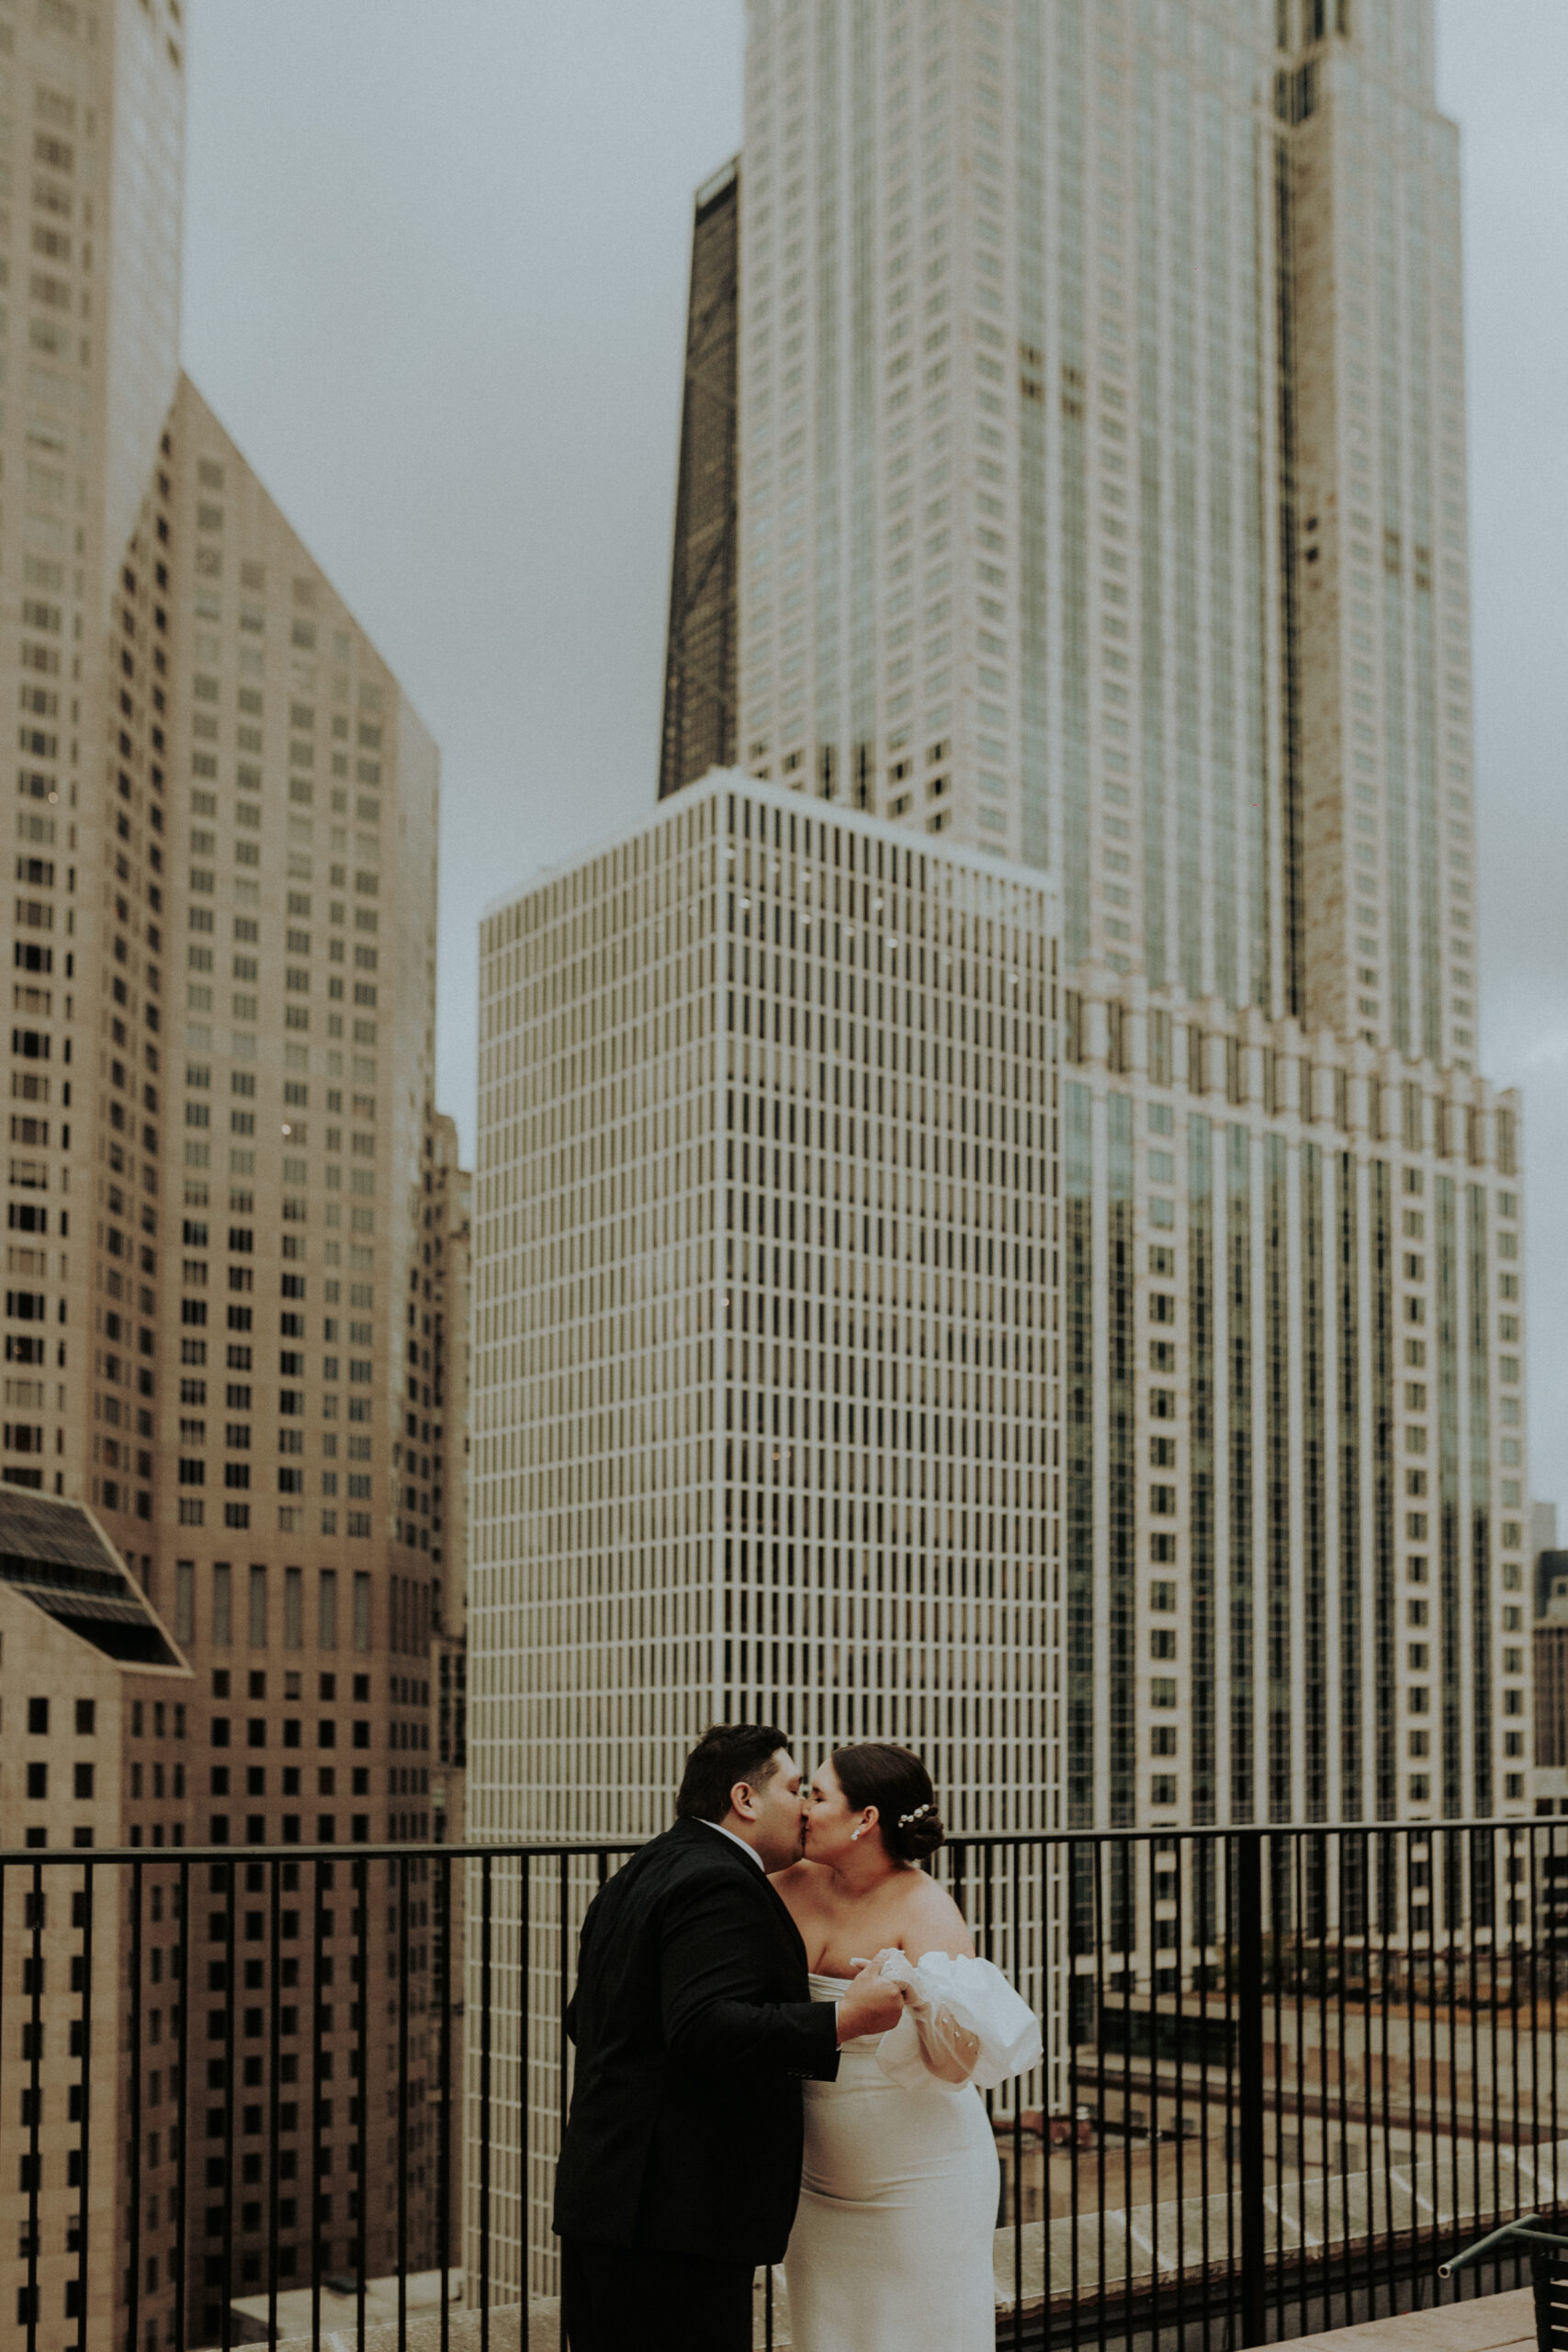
[94,235]
[764,1382]
[1101,453]
[699,682]
[1100,434]
[230,1306]
[293,1377]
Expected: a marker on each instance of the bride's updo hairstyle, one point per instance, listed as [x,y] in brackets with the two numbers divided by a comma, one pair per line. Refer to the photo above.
[895,1782]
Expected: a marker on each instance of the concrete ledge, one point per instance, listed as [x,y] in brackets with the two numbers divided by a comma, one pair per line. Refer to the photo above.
[1488,2324]
[424,2332]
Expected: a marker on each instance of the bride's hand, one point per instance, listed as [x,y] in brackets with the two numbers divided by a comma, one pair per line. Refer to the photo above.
[871,2005]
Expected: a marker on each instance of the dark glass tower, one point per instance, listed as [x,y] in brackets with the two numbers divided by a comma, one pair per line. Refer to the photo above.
[699,675]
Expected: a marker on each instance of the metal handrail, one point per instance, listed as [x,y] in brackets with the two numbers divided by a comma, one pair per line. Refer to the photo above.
[1527,2228]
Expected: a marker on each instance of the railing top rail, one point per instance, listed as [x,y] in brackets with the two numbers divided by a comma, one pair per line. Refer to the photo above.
[589,1847]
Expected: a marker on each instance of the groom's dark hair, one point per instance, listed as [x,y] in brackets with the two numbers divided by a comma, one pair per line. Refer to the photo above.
[724,1754]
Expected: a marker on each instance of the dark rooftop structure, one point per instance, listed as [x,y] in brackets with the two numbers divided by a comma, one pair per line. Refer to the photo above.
[55,1554]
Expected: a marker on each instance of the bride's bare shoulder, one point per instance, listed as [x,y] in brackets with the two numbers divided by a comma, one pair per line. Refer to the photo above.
[931,1920]
[801,1885]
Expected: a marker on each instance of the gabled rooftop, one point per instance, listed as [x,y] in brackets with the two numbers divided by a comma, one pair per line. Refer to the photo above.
[54,1554]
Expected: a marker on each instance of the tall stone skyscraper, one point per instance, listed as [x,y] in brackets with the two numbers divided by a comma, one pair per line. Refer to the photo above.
[296,1394]
[236,1268]
[93,222]
[1101,454]
[1100,434]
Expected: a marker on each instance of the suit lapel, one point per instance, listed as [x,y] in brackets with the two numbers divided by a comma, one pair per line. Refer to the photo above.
[699,1832]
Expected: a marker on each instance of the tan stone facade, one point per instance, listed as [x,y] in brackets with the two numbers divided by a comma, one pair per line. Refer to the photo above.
[229,1317]
[95,1752]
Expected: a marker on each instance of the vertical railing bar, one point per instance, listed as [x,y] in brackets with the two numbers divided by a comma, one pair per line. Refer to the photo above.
[1493,2036]
[1101,2074]
[1151,1882]
[525,2103]
[1227,1854]
[317,1939]
[359,1886]
[274,1968]
[1249,2058]
[402,1868]
[1183,1864]
[1515,1949]
[1460,1911]
[1527,1833]
[1416,2271]
[1472,1850]
[563,1991]
[231,1897]
[443,2149]
[1074,2185]
[1537,1905]
[35,2154]
[1017,1956]
[1381,1880]
[1299,1860]
[133,2299]
[1213,1941]
[1398,1843]
[1279,1948]
[5,1882]
[182,2172]
[1342,1848]
[89,1889]
[1126,1857]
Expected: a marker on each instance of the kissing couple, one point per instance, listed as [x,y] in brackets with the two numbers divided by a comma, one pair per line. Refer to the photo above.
[781,2035]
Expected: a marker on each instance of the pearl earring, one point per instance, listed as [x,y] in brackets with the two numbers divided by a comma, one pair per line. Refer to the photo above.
[857,1833]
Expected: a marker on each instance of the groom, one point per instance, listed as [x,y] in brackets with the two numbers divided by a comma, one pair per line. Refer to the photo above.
[679,2166]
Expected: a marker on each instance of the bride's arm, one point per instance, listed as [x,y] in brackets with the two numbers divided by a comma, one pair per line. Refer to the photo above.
[964,2022]
[935,1924]
[947,2049]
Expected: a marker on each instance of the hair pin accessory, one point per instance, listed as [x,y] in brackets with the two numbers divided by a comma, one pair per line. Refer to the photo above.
[905,1818]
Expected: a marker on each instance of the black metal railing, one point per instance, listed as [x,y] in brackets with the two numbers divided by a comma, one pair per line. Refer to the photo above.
[1289,2072]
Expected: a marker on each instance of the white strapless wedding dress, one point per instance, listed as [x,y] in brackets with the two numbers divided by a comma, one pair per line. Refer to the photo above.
[891,2250]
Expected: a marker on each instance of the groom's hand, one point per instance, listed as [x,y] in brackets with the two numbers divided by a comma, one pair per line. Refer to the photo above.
[871,2005]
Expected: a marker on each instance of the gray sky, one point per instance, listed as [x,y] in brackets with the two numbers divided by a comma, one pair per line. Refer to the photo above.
[435,256]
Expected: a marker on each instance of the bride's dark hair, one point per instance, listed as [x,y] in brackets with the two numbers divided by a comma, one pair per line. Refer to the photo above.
[895,1782]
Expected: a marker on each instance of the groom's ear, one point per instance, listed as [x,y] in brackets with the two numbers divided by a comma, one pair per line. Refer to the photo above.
[743,1800]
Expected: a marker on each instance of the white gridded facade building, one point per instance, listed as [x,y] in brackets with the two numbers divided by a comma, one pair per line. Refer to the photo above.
[763,1385]
[1291,1442]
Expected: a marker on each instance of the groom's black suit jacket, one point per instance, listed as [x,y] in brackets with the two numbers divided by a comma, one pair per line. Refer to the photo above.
[695,2027]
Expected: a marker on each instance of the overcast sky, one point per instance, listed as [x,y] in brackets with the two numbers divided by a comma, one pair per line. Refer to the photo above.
[436,258]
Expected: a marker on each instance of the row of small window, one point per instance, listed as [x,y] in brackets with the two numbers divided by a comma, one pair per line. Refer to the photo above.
[223,1784]
[84,1718]
[198,995]
[290,1481]
[238,1399]
[83,1782]
[1420,1792]
[301,716]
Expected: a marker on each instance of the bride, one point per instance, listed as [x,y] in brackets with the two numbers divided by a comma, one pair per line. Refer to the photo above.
[891,2250]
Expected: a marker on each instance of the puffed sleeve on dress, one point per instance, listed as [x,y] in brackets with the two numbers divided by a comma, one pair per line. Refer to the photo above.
[964,2014]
